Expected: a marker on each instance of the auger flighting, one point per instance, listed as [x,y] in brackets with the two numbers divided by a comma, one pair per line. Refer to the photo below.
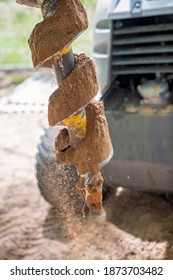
[84,140]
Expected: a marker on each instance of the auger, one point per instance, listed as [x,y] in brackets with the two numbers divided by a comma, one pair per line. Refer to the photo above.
[83,139]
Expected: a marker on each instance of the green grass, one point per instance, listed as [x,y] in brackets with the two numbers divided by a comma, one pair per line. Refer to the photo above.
[17,79]
[16,24]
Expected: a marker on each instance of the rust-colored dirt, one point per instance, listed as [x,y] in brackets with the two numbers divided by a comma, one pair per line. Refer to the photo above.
[74,92]
[96,145]
[54,33]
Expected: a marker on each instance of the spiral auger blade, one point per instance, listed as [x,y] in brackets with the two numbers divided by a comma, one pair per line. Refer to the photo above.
[84,140]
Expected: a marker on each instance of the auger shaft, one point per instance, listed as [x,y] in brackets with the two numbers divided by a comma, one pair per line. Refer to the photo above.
[63,63]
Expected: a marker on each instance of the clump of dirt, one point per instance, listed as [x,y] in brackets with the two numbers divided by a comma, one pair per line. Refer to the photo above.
[74,92]
[63,140]
[95,147]
[92,195]
[54,33]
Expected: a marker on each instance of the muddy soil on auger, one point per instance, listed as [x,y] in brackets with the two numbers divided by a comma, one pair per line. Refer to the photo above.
[72,104]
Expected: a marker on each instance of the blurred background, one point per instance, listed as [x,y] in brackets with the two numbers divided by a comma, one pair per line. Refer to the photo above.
[16,24]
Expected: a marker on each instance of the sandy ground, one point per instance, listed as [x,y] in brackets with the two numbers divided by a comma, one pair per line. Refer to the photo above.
[136,225]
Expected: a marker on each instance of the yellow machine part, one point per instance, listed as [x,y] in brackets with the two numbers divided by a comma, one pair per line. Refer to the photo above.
[77,122]
[63,52]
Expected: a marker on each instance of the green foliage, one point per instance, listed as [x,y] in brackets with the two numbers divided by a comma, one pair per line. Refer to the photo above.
[88,3]
[20,17]
[17,79]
